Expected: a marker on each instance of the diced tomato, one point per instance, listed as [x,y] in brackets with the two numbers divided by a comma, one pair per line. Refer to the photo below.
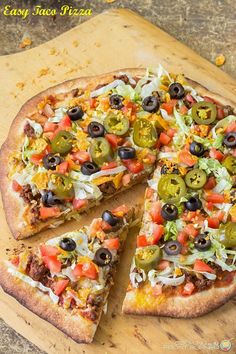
[120,210]
[158,232]
[114,140]
[216,154]
[210,206]
[16,186]
[201,266]
[65,123]
[182,238]
[215,198]
[220,113]
[187,158]
[112,243]
[129,107]
[210,99]
[142,241]
[105,226]
[163,264]
[80,156]
[49,127]
[213,223]
[190,230]
[164,139]
[211,183]
[95,226]
[63,167]
[190,98]
[134,166]
[109,165]
[79,203]
[92,102]
[155,213]
[37,158]
[48,212]
[52,263]
[149,193]
[60,286]
[87,269]
[126,179]
[183,110]
[49,135]
[231,127]
[188,289]
[48,250]
[171,132]
[226,279]
[169,106]
[15,260]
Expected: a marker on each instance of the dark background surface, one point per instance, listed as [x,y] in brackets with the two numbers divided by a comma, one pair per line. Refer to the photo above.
[206,26]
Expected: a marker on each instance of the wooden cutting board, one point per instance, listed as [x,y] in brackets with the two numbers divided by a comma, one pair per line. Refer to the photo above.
[115,39]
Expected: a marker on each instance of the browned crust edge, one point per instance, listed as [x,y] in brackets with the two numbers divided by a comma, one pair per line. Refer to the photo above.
[13,142]
[75,326]
[195,305]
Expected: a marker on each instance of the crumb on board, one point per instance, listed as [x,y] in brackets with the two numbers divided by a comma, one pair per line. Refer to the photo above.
[97,44]
[75,43]
[43,72]
[109,1]
[65,51]
[220,60]
[20,85]
[53,51]
[25,42]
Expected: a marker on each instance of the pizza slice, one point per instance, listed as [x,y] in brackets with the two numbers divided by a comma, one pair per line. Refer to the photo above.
[185,260]
[66,280]
[75,144]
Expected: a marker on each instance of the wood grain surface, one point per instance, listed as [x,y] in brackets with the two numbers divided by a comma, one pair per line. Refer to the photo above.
[115,39]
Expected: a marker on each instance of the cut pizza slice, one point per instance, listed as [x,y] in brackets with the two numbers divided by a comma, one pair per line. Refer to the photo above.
[75,144]
[185,260]
[66,280]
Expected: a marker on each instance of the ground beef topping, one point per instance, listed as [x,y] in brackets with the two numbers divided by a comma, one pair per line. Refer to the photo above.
[29,130]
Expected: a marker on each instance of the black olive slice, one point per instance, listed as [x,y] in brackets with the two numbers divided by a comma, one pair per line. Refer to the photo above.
[111,219]
[202,242]
[193,203]
[49,199]
[75,113]
[230,140]
[196,149]
[88,168]
[176,91]
[96,130]
[102,257]
[169,212]
[151,104]
[50,161]
[67,244]
[126,152]
[116,101]
[173,248]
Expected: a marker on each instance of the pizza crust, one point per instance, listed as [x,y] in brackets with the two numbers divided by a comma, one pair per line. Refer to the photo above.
[178,306]
[14,216]
[75,326]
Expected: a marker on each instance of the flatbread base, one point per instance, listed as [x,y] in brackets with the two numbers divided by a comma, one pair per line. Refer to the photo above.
[140,303]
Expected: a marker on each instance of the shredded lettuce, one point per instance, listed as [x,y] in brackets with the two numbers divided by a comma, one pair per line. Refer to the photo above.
[106,88]
[183,122]
[179,140]
[59,114]
[208,165]
[171,231]
[86,190]
[38,130]
[126,91]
